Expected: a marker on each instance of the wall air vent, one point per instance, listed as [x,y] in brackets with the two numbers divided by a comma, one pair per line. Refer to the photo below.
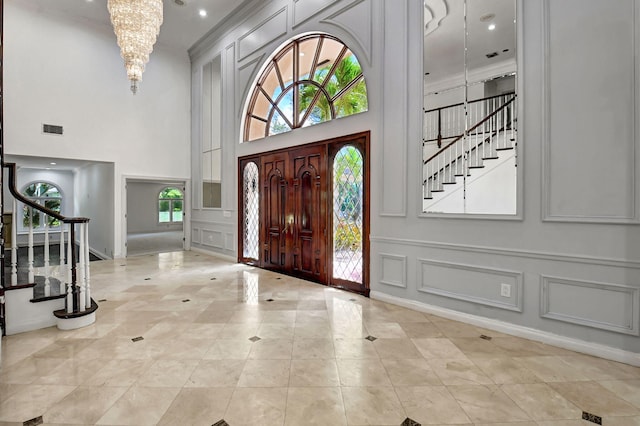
[51,129]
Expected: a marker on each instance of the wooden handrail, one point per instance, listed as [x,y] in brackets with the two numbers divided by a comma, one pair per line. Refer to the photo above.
[14,191]
[484,120]
[470,102]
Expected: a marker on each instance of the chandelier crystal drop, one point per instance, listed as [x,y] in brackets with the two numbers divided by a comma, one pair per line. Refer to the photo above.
[137,25]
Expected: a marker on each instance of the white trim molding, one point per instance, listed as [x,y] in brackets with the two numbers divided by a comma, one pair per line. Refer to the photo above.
[514,278]
[629,295]
[385,258]
[564,342]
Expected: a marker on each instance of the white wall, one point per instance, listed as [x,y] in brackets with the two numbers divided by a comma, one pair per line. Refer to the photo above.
[95,200]
[142,207]
[571,255]
[70,73]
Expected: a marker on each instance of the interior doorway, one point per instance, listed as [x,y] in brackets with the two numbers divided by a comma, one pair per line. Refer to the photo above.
[304,211]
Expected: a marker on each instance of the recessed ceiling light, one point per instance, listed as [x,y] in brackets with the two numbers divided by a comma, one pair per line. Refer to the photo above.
[492,27]
[202,13]
[53,164]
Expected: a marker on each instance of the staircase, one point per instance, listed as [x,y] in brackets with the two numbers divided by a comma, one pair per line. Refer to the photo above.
[462,151]
[57,292]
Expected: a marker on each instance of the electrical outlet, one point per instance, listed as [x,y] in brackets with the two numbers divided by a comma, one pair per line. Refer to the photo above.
[505,290]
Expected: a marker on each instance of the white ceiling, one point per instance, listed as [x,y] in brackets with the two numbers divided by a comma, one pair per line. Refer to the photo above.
[182,25]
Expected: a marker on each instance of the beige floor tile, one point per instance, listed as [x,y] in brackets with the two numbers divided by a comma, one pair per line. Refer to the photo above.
[457,329]
[313,373]
[458,372]
[29,401]
[265,373]
[86,404]
[355,349]
[372,406]
[396,348]
[487,404]
[239,331]
[518,347]
[222,373]
[475,347]
[629,390]
[214,316]
[279,317]
[140,406]
[541,402]
[64,348]
[505,370]
[595,399]
[438,348]
[229,349]
[410,372]
[275,331]
[386,330]
[201,331]
[197,407]
[362,372]
[431,405]
[271,349]
[313,349]
[317,406]
[121,372]
[164,331]
[312,331]
[170,373]
[71,372]
[552,369]
[255,406]
[621,421]
[421,330]
[596,368]
[186,349]
[28,370]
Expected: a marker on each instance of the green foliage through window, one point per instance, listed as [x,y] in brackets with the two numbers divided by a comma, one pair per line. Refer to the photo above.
[44,194]
[170,205]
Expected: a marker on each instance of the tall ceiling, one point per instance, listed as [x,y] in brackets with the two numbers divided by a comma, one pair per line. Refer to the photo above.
[182,26]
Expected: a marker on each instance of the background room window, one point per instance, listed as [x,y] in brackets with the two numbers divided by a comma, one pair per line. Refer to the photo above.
[44,194]
[170,205]
[312,79]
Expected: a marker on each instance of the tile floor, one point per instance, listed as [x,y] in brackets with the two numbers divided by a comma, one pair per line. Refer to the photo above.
[214,348]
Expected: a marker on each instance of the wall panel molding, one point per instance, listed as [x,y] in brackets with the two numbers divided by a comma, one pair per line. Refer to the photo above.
[212,238]
[614,306]
[302,11]
[393,270]
[499,251]
[364,38]
[475,278]
[195,235]
[262,33]
[624,209]
[247,73]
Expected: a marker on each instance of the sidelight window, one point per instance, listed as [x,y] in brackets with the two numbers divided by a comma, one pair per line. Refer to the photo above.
[251,213]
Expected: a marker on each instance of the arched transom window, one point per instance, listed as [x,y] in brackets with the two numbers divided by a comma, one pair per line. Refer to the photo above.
[312,79]
[45,194]
[170,205]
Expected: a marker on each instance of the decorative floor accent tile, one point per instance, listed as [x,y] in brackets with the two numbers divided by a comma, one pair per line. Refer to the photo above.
[485,337]
[137,339]
[371,338]
[185,300]
[220,423]
[213,279]
[254,338]
[147,279]
[409,422]
[591,418]
[102,300]
[269,300]
[33,422]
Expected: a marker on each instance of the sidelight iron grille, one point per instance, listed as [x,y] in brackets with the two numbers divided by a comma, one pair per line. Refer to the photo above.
[347,214]
[251,211]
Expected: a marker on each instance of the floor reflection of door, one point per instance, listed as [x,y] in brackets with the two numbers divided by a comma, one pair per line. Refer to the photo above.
[312,218]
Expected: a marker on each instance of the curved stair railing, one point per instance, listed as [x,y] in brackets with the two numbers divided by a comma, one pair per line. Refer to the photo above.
[492,133]
[71,279]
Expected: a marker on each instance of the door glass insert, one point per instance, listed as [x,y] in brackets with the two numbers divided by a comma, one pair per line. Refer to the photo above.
[347,214]
[251,211]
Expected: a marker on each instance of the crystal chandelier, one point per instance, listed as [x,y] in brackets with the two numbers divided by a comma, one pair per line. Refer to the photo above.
[137,25]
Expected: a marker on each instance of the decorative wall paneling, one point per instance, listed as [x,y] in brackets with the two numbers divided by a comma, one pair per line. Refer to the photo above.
[263,32]
[303,10]
[230,133]
[610,307]
[195,235]
[470,283]
[592,142]
[355,19]
[393,270]
[246,74]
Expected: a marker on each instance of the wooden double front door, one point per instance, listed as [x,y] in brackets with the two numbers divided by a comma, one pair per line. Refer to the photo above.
[296,219]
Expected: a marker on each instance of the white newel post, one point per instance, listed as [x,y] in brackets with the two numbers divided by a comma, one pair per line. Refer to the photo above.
[69,302]
[30,248]
[87,274]
[47,281]
[80,269]
[61,272]
[14,244]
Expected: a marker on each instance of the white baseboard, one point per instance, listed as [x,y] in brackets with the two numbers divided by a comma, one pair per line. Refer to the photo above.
[214,254]
[564,342]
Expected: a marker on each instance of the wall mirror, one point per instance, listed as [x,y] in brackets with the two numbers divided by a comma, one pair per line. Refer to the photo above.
[212,134]
[470,123]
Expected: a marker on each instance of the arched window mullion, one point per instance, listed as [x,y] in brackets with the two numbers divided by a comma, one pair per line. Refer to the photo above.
[275,107]
[335,66]
[348,87]
[279,75]
[316,57]
[315,100]
[296,78]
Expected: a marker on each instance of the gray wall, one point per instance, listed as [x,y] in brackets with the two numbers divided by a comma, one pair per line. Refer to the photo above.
[142,207]
[572,253]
